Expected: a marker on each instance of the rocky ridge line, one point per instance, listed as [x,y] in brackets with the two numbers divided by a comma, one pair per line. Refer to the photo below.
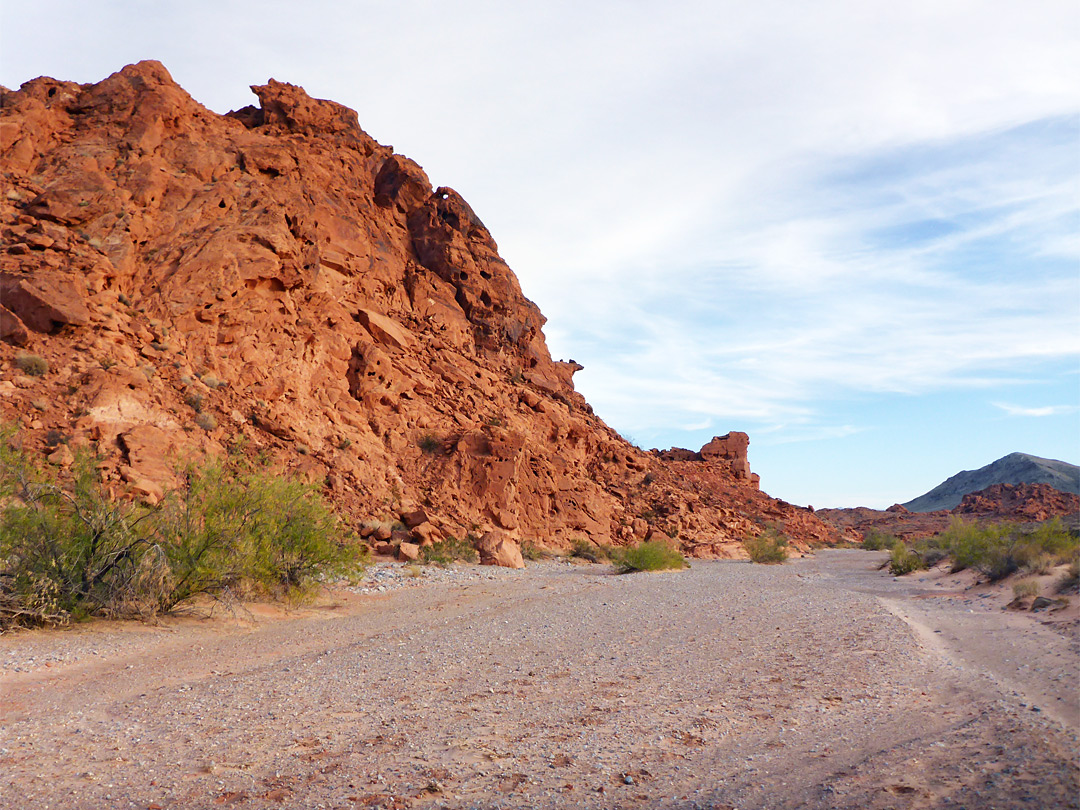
[277,284]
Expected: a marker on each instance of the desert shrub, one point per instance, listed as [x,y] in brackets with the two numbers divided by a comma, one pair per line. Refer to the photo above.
[32,364]
[585,550]
[655,555]
[999,550]
[194,400]
[769,547]
[875,540]
[63,552]
[206,421]
[69,552]
[904,560]
[449,551]
[430,443]
[531,551]
[1026,589]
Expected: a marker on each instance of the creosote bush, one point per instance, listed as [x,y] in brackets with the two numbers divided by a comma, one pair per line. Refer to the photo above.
[33,365]
[769,547]
[903,560]
[67,551]
[655,555]
[993,550]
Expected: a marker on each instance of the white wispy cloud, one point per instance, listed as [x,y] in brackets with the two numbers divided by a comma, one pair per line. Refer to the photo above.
[730,212]
[1045,410]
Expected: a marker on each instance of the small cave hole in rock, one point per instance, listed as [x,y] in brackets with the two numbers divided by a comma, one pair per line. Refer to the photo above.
[221,204]
[485,274]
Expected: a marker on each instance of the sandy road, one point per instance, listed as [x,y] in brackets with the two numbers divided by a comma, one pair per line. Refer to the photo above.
[729,685]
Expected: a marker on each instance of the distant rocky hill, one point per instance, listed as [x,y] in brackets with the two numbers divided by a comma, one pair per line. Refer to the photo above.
[1015,468]
[274,283]
[1013,503]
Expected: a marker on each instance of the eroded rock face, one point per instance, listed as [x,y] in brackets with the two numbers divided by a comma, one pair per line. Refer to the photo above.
[1021,502]
[275,283]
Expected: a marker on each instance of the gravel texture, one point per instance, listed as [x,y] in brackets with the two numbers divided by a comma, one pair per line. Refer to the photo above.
[819,684]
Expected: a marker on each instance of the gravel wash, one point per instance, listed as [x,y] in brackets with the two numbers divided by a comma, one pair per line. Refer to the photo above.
[730,685]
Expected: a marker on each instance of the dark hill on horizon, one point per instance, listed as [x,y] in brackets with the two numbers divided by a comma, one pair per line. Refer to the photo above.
[1015,468]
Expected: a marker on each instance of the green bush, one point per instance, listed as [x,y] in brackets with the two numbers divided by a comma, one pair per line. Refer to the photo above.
[449,551]
[63,552]
[904,560]
[999,550]
[69,552]
[655,555]
[769,547]
[33,365]
[875,540]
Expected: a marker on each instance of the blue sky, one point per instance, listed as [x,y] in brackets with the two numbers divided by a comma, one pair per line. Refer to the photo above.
[849,228]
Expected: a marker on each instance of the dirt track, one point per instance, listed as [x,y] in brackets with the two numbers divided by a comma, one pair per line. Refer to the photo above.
[729,685]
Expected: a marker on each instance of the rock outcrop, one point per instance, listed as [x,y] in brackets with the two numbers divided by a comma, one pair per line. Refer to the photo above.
[1021,502]
[1015,503]
[277,284]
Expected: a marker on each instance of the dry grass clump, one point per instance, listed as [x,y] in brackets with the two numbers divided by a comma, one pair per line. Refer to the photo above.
[449,551]
[33,365]
[1026,589]
[206,421]
[586,550]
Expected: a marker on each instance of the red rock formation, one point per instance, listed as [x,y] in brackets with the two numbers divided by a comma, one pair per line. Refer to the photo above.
[276,283]
[1020,502]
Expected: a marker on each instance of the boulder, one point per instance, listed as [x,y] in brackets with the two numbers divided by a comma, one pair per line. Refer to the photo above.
[12,329]
[408,552]
[414,518]
[42,303]
[497,548]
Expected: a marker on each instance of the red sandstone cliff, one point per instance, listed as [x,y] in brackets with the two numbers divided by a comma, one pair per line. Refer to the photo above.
[276,283]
